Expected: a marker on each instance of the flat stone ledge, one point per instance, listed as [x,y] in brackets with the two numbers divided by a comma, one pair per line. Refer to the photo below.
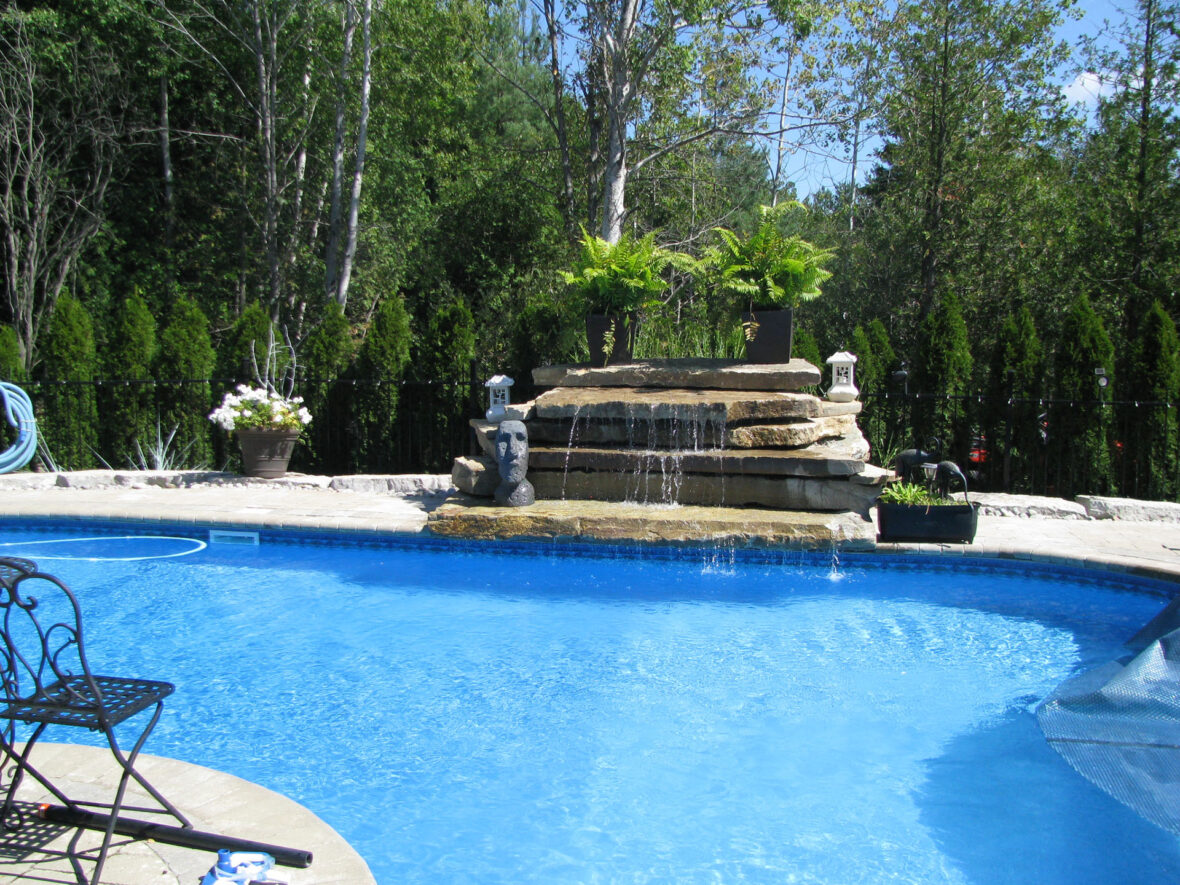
[1026,506]
[612,522]
[690,373]
[703,406]
[813,462]
[1128,509]
[409,485]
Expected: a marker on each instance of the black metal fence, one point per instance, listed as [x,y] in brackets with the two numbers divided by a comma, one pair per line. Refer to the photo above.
[1034,445]
[423,429]
[1004,443]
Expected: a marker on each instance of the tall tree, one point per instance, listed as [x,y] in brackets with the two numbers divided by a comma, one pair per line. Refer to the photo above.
[1156,374]
[971,104]
[342,226]
[1016,383]
[656,77]
[128,408]
[69,366]
[184,363]
[61,121]
[1129,248]
[943,366]
[1081,420]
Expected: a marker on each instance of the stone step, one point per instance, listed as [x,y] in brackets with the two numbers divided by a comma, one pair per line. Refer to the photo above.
[682,435]
[614,523]
[684,373]
[855,493]
[728,462]
[699,407]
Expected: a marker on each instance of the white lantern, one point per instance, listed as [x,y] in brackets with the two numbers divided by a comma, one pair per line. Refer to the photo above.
[842,389]
[497,387]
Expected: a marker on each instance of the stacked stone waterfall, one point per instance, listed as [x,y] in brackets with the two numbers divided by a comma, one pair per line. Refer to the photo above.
[688,432]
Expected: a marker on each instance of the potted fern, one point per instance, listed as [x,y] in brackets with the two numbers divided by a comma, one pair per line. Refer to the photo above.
[613,282]
[769,274]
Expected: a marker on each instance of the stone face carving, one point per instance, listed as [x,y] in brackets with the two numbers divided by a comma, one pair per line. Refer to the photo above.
[512,457]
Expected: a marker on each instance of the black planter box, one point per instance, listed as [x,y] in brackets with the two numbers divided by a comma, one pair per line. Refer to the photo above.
[597,327]
[773,337]
[917,522]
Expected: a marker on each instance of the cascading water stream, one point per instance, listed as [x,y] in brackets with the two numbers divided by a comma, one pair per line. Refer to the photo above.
[569,447]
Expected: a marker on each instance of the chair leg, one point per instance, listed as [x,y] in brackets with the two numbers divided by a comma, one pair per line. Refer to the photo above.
[7,752]
[127,763]
[116,806]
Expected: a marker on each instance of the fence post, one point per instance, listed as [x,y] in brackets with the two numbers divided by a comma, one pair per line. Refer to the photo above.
[1009,421]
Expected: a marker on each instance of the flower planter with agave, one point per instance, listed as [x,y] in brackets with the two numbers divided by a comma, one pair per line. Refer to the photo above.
[770,274]
[912,513]
[614,282]
[267,425]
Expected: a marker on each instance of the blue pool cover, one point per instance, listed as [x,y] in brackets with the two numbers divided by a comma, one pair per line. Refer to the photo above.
[1119,724]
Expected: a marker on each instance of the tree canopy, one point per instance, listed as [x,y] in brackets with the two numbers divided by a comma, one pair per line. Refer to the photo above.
[424,170]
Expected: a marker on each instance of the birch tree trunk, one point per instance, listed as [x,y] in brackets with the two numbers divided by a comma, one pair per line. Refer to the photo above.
[335,210]
[265,58]
[166,164]
[619,78]
[362,133]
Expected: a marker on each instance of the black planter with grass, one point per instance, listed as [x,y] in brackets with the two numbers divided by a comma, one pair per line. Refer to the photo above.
[611,338]
[925,512]
[932,523]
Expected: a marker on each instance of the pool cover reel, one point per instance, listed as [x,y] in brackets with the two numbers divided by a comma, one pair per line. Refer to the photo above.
[1119,724]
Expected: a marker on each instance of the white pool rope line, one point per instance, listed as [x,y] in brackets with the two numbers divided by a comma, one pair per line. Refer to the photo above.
[198,546]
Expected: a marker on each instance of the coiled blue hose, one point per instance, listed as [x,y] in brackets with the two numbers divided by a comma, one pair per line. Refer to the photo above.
[20,415]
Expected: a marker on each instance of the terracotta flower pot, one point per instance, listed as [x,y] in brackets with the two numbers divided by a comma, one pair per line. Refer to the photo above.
[265,453]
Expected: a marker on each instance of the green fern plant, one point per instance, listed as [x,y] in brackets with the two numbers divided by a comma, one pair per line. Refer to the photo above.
[768,270]
[615,278]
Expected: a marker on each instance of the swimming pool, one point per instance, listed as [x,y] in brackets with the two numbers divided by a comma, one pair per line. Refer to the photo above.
[466,714]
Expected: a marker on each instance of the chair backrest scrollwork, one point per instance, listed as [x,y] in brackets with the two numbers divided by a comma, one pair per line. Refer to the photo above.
[41,642]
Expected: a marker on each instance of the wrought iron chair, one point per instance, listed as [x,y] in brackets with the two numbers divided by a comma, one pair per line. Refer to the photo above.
[48,681]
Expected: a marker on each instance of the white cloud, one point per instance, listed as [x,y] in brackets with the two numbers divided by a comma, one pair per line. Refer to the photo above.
[1087,87]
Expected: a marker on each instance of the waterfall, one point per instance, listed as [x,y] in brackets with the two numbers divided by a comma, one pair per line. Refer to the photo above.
[569,447]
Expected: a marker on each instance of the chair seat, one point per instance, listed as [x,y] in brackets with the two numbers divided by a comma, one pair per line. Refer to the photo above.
[71,702]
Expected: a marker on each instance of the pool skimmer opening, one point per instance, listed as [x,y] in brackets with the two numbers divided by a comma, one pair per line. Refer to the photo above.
[219,536]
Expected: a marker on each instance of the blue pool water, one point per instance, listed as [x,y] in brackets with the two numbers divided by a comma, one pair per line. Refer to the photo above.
[465,715]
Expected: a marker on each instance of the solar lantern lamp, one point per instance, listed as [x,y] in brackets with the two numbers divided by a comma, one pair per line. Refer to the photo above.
[497,387]
[842,389]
